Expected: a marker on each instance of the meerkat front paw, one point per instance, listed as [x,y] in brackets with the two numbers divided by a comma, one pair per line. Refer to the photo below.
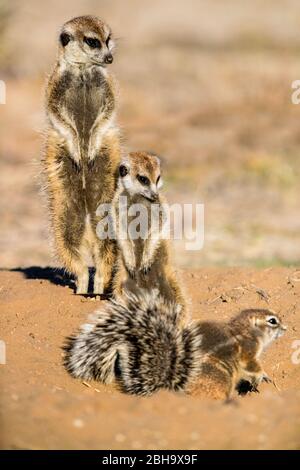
[76,166]
[82,284]
[258,379]
[91,164]
[262,377]
[266,378]
[146,270]
[253,388]
[98,286]
[131,272]
[74,154]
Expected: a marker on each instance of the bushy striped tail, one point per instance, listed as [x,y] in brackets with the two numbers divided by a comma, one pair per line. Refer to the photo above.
[138,343]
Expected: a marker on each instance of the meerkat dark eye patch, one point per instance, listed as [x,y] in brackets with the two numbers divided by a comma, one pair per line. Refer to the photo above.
[123,171]
[143,180]
[107,40]
[93,43]
[157,181]
[64,38]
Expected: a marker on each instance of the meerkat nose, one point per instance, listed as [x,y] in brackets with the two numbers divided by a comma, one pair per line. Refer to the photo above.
[108,59]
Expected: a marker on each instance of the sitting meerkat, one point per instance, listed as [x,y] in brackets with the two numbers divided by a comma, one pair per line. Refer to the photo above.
[82,150]
[137,343]
[143,261]
[233,351]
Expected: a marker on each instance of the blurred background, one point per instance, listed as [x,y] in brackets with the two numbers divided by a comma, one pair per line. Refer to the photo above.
[204,83]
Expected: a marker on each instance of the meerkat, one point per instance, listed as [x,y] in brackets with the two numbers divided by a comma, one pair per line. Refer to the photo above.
[233,351]
[143,259]
[137,343]
[82,150]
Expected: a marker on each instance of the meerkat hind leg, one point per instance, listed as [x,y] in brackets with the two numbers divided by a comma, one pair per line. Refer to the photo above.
[98,282]
[82,282]
[75,264]
[104,262]
[212,383]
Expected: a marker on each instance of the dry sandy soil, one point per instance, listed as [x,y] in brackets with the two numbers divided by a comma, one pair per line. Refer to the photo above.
[206,84]
[43,408]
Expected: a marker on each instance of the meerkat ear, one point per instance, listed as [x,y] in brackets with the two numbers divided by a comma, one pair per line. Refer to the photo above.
[123,170]
[64,39]
[159,182]
[157,159]
[154,156]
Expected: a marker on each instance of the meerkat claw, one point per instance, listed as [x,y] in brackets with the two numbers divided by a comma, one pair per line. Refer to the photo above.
[266,379]
[77,167]
[132,273]
[91,164]
[146,270]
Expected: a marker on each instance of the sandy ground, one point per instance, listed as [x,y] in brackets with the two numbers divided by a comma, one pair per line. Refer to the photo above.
[206,84]
[43,408]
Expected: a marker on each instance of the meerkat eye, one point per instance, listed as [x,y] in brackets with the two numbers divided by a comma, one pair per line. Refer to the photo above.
[123,171]
[143,180]
[273,321]
[93,43]
[64,39]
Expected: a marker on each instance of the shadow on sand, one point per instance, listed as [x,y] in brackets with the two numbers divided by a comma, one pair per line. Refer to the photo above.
[57,276]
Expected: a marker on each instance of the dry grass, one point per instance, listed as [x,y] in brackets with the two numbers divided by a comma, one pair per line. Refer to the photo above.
[209,91]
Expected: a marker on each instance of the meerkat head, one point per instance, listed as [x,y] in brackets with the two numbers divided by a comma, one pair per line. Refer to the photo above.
[86,40]
[139,174]
[268,325]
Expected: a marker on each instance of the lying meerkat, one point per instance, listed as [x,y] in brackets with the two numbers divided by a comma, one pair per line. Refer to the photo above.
[138,343]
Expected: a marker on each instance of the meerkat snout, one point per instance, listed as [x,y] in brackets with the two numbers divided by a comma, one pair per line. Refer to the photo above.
[86,40]
[108,59]
[271,325]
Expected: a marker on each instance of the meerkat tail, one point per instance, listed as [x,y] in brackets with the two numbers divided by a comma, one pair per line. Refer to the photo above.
[91,354]
[137,343]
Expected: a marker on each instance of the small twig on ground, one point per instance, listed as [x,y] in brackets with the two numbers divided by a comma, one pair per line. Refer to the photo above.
[262,293]
[86,384]
[275,385]
[227,296]
[211,301]
[89,386]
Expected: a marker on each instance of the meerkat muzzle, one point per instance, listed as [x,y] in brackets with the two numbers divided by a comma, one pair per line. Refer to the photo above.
[108,59]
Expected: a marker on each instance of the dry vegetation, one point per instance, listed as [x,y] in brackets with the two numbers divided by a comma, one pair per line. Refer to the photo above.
[207,85]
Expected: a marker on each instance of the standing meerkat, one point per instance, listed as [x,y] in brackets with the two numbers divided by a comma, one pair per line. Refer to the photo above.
[82,149]
[137,343]
[143,252]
